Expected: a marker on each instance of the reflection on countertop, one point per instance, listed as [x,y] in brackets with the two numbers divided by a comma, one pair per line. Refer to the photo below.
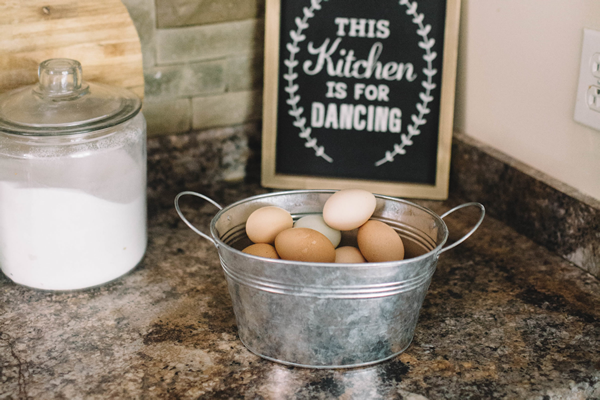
[503,318]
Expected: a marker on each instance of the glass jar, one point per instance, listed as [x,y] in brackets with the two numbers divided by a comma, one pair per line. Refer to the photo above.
[72,181]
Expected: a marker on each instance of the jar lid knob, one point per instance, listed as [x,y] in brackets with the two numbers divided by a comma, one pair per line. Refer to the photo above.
[60,77]
[62,103]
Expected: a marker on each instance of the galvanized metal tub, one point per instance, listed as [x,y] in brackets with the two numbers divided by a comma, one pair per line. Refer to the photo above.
[324,315]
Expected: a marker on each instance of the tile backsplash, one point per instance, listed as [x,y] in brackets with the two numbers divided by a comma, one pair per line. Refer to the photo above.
[202,62]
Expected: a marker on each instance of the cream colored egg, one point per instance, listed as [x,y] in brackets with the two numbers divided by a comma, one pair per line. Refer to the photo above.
[348,255]
[261,250]
[348,209]
[304,244]
[379,242]
[265,223]
[317,223]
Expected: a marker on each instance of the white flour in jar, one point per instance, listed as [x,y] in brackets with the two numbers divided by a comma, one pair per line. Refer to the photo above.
[64,238]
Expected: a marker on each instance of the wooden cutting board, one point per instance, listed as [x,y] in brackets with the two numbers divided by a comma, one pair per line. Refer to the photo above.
[98,33]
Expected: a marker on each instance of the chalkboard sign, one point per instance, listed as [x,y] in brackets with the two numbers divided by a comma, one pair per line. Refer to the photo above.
[360,94]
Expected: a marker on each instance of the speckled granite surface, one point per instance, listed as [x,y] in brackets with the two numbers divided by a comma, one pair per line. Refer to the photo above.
[536,205]
[504,318]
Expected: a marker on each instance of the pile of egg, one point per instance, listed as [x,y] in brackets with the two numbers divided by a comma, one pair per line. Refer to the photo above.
[315,237]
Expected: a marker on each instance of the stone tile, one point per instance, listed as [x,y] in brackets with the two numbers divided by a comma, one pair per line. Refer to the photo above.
[204,77]
[162,81]
[178,13]
[227,109]
[143,14]
[167,116]
[245,72]
[209,42]
[186,79]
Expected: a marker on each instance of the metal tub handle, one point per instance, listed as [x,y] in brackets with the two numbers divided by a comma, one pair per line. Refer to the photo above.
[473,204]
[188,223]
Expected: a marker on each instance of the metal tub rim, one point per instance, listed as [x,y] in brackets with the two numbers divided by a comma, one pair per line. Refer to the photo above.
[390,264]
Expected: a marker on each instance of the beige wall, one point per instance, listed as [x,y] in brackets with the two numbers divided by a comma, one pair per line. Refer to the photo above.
[517,80]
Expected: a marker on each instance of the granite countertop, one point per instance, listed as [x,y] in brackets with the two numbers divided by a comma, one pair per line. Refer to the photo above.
[503,318]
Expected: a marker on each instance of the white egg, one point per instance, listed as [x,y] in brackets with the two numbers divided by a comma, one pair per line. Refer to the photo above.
[348,209]
[317,223]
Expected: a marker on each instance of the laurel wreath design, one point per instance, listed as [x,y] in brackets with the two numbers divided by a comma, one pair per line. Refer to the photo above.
[425,96]
[290,76]
[417,119]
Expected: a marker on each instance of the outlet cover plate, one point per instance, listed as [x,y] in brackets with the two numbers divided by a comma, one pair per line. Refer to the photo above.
[587,103]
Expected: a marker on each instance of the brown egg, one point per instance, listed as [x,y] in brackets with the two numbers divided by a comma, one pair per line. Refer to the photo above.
[262,250]
[348,255]
[304,244]
[265,223]
[378,242]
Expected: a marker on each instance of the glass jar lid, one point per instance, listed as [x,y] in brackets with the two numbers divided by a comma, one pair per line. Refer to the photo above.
[62,103]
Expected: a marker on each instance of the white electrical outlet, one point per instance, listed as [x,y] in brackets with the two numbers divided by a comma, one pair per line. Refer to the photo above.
[587,104]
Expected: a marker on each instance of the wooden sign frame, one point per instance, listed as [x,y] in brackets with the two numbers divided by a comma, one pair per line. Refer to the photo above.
[280,49]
